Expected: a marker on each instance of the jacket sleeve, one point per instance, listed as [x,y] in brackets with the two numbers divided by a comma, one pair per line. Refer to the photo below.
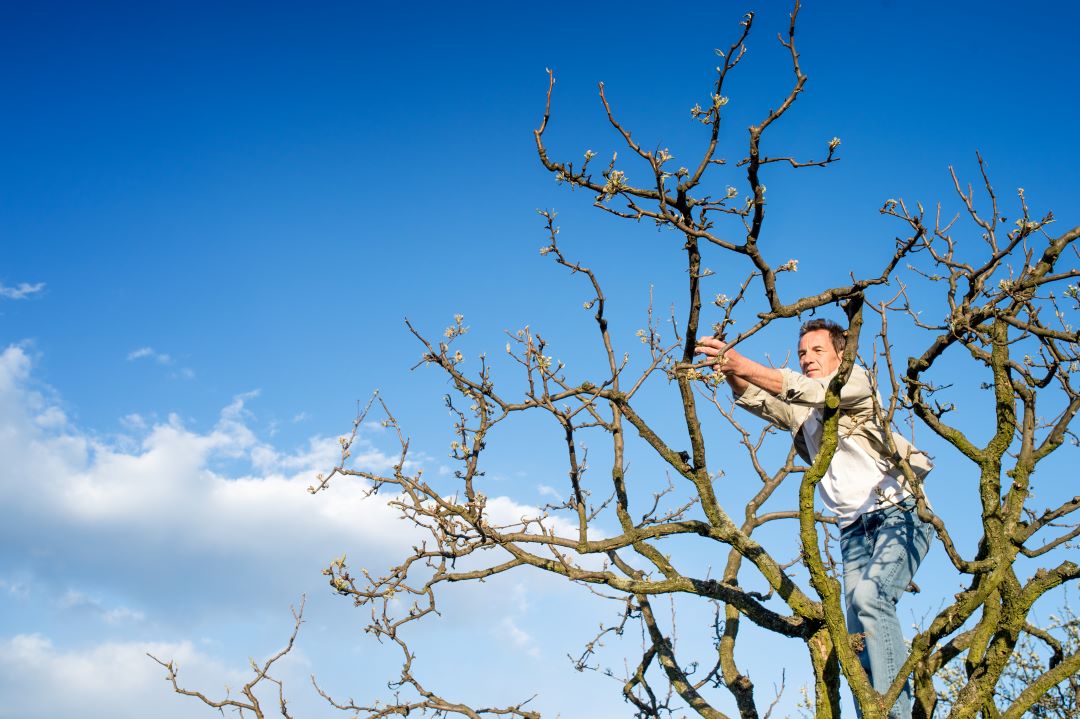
[772,409]
[804,391]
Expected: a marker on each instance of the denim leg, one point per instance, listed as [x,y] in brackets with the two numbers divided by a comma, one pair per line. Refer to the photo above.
[881,552]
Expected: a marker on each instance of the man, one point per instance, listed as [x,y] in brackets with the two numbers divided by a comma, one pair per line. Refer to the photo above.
[882,539]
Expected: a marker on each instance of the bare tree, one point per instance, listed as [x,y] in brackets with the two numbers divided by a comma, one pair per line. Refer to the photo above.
[248,703]
[1037,649]
[1000,294]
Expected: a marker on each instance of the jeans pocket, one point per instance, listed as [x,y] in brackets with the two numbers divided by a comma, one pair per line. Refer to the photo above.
[845,542]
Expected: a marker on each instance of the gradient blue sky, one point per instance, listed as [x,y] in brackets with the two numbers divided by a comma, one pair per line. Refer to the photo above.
[219,215]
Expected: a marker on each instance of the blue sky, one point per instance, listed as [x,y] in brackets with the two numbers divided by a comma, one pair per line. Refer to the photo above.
[215,217]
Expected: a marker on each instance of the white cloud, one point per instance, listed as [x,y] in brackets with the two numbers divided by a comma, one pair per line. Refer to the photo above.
[502,511]
[39,679]
[547,491]
[76,600]
[149,353]
[173,529]
[122,615]
[119,509]
[134,422]
[14,368]
[51,418]
[111,679]
[162,358]
[14,588]
[517,636]
[520,596]
[21,291]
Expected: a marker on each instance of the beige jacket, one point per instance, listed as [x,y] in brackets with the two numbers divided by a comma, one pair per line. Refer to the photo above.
[800,395]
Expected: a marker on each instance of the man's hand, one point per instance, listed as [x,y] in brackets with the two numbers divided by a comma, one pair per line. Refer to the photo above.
[739,370]
[728,361]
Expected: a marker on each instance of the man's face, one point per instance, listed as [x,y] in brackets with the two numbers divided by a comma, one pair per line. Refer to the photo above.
[817,356]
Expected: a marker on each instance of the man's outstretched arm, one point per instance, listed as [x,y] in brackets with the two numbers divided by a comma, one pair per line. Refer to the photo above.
[739,370]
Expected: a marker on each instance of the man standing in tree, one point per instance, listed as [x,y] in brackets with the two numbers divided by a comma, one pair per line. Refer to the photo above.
[882,539]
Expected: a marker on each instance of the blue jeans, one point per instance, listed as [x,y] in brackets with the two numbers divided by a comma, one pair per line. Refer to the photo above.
[881,551]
